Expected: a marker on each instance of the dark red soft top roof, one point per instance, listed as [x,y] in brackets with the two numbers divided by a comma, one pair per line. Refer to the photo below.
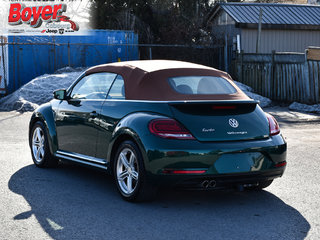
[147,79]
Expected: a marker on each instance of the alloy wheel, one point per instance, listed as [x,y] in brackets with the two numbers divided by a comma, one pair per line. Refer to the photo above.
[38,148]
[127,171]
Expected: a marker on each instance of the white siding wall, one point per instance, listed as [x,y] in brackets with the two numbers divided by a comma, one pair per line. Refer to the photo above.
[279,40]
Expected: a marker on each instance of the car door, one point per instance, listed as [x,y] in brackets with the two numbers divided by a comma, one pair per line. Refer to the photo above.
[76,118]
[112,110]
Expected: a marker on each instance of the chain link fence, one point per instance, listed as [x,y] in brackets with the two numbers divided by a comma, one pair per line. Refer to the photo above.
[23,61]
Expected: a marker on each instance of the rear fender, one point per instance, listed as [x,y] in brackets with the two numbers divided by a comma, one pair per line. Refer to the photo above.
[135,127]
[45,114]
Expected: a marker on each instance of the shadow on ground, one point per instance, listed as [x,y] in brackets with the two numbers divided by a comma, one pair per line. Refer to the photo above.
[72,202]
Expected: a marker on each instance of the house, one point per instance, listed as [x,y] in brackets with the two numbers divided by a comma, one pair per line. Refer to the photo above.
[284,27]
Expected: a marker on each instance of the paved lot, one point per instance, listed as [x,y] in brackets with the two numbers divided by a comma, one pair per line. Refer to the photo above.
[79,203]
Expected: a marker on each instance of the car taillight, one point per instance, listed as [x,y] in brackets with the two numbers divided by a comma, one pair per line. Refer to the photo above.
[169,128]
[281,164]
[273,125]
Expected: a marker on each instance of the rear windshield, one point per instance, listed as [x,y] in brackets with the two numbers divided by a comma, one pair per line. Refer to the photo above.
[201,85]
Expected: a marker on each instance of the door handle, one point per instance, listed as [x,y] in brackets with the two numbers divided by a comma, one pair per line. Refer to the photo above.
[93,114]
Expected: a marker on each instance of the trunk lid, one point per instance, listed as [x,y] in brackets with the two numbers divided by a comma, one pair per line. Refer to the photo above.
[222,120]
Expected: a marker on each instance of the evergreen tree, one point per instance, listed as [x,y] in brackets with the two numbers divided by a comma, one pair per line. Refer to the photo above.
[156,21]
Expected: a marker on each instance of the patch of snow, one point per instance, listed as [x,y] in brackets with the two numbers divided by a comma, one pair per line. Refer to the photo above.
[38,91]
[244,87]
[264,102]
[305,108]
[70,69]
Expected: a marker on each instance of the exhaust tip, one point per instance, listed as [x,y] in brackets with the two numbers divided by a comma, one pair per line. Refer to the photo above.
[212,183]
[208,184]
[205,184]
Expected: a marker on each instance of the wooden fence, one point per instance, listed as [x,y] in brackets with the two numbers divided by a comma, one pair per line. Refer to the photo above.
[285,77]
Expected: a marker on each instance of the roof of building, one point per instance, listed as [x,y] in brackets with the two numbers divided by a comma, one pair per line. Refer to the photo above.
[275,15]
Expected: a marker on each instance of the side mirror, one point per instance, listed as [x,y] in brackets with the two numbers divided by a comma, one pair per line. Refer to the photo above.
[60,94]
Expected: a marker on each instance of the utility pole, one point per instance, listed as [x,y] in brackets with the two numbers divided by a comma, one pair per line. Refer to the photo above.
[259,31]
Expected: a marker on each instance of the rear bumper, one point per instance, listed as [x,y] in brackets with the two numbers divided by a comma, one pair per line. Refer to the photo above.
[221,181]
[227,163]
[216,157]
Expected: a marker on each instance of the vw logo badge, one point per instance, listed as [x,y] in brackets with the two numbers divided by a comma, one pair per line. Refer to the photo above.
[233,123]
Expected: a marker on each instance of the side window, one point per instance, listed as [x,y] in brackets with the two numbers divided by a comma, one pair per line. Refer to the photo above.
[94,86]
[117,89]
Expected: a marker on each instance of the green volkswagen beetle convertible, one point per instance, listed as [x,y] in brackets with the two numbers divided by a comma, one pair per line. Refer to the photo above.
[158,122]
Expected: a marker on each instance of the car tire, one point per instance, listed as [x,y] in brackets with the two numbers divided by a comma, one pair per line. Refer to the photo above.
[39,145]
[130,175]
[262,185]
